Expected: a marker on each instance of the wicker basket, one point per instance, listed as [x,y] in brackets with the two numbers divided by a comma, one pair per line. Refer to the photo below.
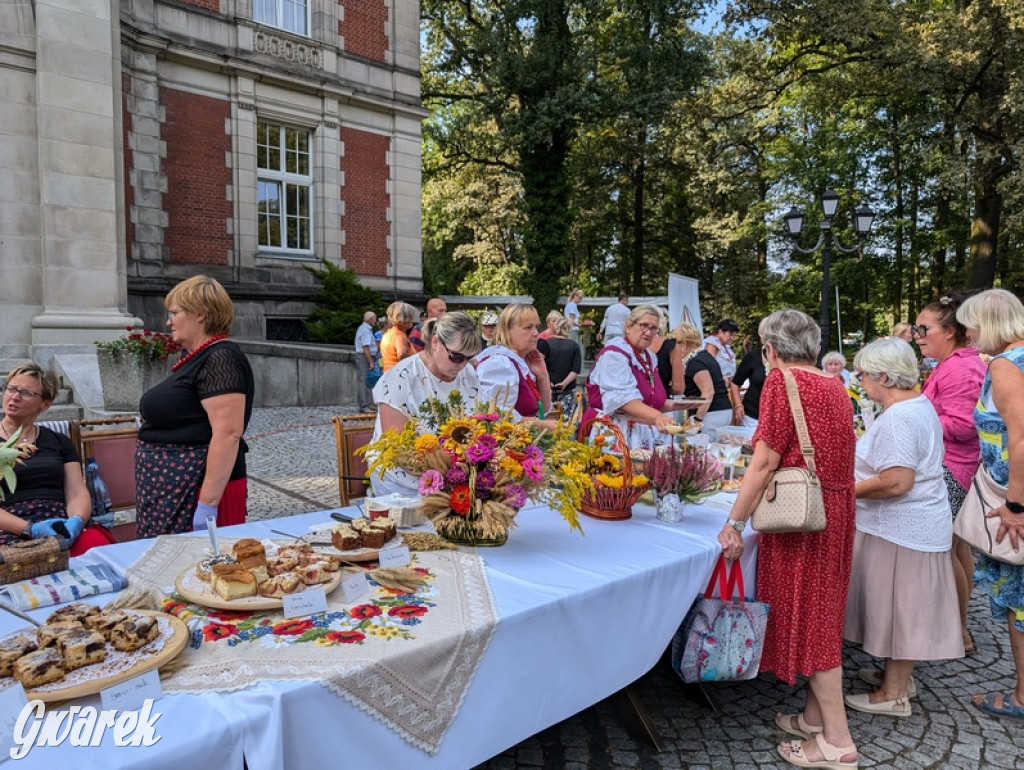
[32,558]
[614,504]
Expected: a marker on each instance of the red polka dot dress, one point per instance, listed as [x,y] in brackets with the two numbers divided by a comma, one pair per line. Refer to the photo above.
[804,576]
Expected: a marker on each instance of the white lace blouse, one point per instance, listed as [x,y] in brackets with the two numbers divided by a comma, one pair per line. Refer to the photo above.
[614,376]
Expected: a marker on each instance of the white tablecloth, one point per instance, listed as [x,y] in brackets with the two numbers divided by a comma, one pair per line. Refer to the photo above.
[580,617]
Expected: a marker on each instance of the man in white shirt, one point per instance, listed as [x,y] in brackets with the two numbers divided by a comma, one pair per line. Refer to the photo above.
[572,312]
[614,322]
[366,359]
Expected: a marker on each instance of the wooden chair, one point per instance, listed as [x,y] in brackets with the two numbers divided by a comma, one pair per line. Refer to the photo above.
[114,451]
[350,433]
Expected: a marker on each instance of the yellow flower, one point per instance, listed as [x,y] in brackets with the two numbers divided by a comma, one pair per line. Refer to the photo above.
[426,443]
[512,467]
[460,430]
[607,464]
[639,480]
[606,480]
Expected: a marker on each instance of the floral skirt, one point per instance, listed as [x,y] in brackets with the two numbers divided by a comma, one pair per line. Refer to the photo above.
[954,491]
[1004,585]
[167,481]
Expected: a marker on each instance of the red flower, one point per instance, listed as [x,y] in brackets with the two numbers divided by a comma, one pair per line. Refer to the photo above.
[461,499]
[228,615]
[421,570]
[212,632]
[346,637]
[365,611]
[407,611]
[173,608]
[292,627]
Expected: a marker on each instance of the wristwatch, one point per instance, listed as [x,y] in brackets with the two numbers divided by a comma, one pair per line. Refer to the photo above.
[1013,507]
[739,526]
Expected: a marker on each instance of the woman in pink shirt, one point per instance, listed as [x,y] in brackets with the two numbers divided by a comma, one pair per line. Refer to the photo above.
[953,389]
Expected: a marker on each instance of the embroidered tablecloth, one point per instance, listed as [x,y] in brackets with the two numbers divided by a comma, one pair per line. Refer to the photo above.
[406,659]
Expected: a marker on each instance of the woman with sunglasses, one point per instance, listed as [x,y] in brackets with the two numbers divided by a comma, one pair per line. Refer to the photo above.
[50,497]
[953,388]
[449,343]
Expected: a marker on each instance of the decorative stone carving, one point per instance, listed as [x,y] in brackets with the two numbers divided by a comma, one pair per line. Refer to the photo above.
[289,50]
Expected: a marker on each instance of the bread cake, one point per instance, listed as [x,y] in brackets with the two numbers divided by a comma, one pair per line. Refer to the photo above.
[311,574]
[260,574]
[51,632]
[372,537]
[204,569]
[278,586]
[236,584]
[13,648]
[249,552]
[386,525]
[82,648]
[105,621]
[39,668]
[344,537]
[78,611]
[278,565]
[135,632]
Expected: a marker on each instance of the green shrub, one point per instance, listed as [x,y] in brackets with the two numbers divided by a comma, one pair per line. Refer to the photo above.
[341,303]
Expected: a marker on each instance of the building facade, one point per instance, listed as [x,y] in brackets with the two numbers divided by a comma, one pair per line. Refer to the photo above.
[145,141]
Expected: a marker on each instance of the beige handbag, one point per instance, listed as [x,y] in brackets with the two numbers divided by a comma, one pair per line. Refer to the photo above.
[793,501]
[973,526]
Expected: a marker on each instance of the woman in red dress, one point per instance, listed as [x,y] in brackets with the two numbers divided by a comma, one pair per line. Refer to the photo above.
[803,575]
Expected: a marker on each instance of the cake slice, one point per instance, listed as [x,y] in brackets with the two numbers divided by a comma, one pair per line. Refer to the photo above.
[250,552]
[280,585]
[40,667]
[235,584]
[278,565]
[204,569]
[78,611]
[135,632]
[82,648]
[105,621]
[51,632]
[344,537]
[372,537]
[12,648]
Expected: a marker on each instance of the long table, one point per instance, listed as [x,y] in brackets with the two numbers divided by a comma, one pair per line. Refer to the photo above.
[580,618]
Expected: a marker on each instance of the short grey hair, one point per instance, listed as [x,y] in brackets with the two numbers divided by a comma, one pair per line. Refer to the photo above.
[891,356]
[833,355]
[998,317]
[793,335]
[455,330]
[639,312]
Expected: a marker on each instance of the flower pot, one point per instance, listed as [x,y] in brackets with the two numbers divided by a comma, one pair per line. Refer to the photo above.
[669,507]
[125,378]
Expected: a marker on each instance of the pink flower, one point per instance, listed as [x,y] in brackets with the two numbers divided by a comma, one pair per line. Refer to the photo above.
[479,452]
[532,470]
[533,452]
[456,475]
[515,496]
[430,482]
[489,417]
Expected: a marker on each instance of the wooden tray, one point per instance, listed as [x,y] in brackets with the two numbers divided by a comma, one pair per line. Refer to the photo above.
[190,587]
[174,641]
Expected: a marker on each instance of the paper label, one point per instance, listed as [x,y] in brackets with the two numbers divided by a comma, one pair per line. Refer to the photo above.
[132,694]
[353,586]
[12,702]
[397,556]
[308,602]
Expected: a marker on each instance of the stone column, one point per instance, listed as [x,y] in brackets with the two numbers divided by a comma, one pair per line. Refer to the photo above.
[80,157]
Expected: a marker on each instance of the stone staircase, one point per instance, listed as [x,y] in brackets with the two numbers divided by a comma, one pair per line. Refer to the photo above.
[63,407]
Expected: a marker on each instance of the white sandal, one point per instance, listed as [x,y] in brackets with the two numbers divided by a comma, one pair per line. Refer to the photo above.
[831,755]
[800,728]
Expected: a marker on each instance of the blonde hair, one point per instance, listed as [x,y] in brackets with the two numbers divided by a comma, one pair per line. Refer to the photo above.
[202,295]
[899,328]
[554,315]
[563,327]
[47,380]
[998,317]
[513,315]
[686,334]
[401,313]
[639,312]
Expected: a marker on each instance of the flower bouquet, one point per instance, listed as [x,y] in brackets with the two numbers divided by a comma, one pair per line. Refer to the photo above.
[679,476]
[477,469]
[616,488]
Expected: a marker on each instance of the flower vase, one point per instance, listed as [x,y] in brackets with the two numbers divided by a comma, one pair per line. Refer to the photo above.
[669,507]
[125,377]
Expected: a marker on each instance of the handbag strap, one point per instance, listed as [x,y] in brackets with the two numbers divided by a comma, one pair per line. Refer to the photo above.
[806,448]
[726,584]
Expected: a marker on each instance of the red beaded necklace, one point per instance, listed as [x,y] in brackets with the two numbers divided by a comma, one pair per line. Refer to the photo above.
[645,363]
[193,353]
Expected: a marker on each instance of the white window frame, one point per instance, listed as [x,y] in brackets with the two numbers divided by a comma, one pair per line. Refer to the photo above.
[283,179]
[272,13]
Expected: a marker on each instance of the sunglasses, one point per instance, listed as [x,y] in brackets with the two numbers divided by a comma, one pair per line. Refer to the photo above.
[455,358]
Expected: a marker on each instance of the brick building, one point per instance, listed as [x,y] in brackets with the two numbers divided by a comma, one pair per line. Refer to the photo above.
[143,141]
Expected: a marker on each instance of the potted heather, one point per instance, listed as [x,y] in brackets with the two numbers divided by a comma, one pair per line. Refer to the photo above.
[681,475]
[132,364]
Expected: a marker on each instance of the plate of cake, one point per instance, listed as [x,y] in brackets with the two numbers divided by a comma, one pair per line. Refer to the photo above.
[358,540]
[82,649]
[250,578]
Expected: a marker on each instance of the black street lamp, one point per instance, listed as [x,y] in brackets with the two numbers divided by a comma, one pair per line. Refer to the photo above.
[862,219]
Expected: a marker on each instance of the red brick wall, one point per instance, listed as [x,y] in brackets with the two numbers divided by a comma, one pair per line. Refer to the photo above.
[129,191]
[365,193]
[210,5]
[364,28]
[198,176]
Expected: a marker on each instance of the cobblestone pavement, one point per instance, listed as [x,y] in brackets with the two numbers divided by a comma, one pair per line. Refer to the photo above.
[292,469]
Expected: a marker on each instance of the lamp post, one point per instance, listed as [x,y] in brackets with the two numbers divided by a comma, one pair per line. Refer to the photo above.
[862,220]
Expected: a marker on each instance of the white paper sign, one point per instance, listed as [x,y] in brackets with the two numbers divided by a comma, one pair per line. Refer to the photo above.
[353,586]
[12,702]
[132,694]
[308,602]
[395,557]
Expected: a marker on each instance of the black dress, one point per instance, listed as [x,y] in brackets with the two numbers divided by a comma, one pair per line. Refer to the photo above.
[751,368]
[705,362]
[665,363]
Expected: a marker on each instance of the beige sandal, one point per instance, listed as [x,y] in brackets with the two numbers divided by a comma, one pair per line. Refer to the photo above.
[831,755]
[794,724]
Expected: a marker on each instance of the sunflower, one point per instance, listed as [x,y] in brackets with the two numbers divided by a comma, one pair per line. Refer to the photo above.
[606,480]
[607,464]
[460,430]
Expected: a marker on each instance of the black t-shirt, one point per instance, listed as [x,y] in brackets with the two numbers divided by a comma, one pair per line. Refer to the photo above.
[172,411]
[41,476]
[561,356]
[751,368]
[705,362]
[665,363]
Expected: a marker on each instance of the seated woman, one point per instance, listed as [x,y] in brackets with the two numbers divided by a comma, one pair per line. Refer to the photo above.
[625,385]
[394,343]
[564,363]
[902,603]
[449,343]
[512,371]
[50,497]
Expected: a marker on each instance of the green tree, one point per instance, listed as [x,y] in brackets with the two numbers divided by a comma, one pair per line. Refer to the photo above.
[341,303]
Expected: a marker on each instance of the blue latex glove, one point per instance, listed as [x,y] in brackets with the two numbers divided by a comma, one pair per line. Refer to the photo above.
[49,528]
[199,517]
[74,526]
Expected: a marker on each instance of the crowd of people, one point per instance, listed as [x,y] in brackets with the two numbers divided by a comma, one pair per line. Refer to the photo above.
[886,573]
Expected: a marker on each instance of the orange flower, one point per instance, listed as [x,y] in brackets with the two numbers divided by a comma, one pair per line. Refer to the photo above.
[461,499]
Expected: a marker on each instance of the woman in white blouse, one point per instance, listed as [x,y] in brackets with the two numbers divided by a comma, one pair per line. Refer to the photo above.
[625,384]
[902,603]
[512,371]
[449,344]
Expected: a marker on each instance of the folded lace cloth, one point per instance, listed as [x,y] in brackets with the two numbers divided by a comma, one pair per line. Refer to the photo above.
[66,586]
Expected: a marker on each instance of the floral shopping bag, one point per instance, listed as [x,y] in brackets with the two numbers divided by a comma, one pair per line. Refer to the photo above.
[721,639]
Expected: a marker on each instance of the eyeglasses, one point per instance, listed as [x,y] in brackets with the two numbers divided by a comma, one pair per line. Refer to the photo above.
[920,331]
[647,328]
[455,358]
[13,391]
